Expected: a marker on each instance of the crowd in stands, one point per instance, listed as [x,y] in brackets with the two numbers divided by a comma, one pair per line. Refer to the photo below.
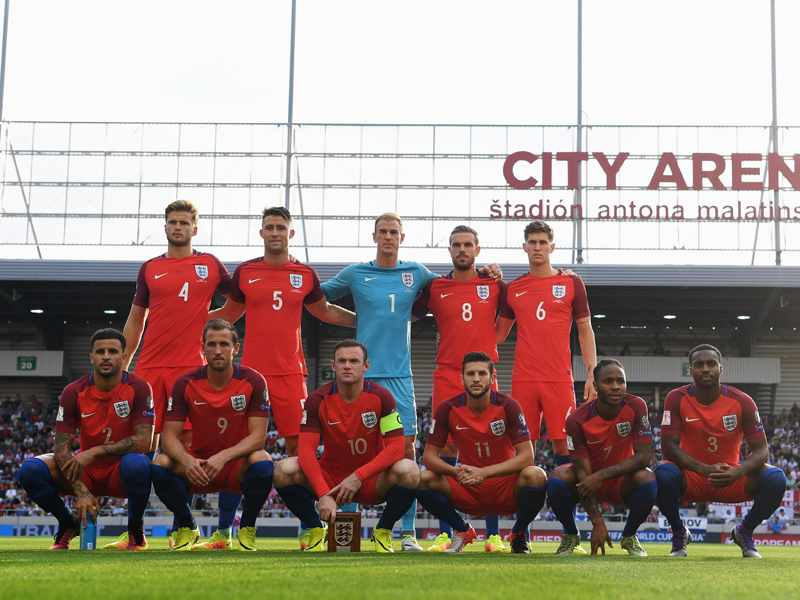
[27,430]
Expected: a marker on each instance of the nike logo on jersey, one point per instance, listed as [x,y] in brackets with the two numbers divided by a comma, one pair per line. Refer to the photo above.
[460,428]
[254,280]
[369,278]
[446,295]
[159,276]
[520,293]
[688,420]
[196,403]
[597,442]
[83,416]
[336,423]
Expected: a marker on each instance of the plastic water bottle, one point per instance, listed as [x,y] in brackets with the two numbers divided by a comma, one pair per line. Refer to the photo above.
[89,535]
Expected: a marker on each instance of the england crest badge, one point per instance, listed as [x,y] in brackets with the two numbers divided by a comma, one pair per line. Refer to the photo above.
[343,532]
[239,403]
[369,419]
[559,291]
[201,270]
[624,429]
[408,279]
[122,409]
[498,427]
[730,422]
[296,280]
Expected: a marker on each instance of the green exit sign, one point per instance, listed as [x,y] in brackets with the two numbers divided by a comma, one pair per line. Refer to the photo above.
[685,369]
[328,375]
[26,363]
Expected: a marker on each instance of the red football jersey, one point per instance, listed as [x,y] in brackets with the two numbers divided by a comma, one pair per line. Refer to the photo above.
[274,299]
[544,308]
[711,434]
[607,443]
[485,439]
[219,417]
[351,432]
[178,292]
[104,417]
[465,313]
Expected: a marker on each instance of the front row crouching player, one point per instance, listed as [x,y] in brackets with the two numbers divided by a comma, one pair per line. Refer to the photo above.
[496,476]
[363,459]
[107,405]
[702,429]
[228,406]
[610,444]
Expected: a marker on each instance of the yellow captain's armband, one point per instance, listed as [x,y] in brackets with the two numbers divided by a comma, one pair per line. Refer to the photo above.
[390,423]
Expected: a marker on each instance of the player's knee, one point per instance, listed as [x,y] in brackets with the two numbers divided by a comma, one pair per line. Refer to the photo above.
[643,476]
[135,469]
[559,490]
[33,473]
[564,473]
[162,460]
[668,475]
[533,477]
[286,472]
[407,473]
[773,482]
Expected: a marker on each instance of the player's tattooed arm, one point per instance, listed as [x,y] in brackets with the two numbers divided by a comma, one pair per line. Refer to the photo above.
[759,453]
[642,455]
[63,449]
[671,448]
[583,472]
[139,442]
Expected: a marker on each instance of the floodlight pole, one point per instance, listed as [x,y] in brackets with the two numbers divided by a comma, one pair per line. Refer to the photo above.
[774,136]
[3,59]
[577,224]
[289,120]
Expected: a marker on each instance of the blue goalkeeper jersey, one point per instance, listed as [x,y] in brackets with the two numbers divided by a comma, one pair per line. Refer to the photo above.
[383,299]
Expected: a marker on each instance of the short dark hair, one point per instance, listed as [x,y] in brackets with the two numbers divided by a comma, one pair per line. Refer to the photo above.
[219,325]
[464,229]
[276,211]
[704,347]
[539,227]
[350,344]
[603,364]
[477,357]
[109,334]
[182,206]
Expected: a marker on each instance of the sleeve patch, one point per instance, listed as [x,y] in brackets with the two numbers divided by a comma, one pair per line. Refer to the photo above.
[570,445]
[666,419]
[390,422]
[433,426]
[169,404]
[60,415]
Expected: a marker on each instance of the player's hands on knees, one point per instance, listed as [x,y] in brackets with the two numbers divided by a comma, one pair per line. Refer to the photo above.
[600,538]
[723,476]
[345,491]
[86,505]
[589,393]
[589,485]
[213,466]
[73,468]
[195,472]
[326,506]
[493,270]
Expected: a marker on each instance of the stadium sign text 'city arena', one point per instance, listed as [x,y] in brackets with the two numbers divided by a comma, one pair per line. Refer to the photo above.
[743,171]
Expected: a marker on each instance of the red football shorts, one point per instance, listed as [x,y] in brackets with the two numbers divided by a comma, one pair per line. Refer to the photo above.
[493,497]
[226,481]
[553,400]
[161,379]
[287,394]
[446,384]
[698,490]
[366,494]
[611,492]
[102,478]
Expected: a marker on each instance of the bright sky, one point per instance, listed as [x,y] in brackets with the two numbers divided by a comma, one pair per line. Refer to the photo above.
[644,63]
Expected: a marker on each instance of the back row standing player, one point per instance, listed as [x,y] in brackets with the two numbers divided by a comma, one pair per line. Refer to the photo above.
[544,303]
[464,304]
[173,295]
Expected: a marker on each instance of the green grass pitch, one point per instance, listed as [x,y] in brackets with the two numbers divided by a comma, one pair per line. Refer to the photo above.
[279,570]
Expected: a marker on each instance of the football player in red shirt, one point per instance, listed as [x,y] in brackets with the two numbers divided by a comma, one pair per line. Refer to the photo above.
[611,445]
[464,304]
[173,294]
[114,412]
[229,408]
[701,433]
[496,475]
[544,302]
[363,459]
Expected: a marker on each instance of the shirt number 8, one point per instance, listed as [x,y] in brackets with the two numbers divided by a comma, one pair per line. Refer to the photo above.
[466,311]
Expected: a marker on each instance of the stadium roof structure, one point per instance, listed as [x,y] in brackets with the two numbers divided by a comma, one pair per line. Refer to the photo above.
[630,295]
